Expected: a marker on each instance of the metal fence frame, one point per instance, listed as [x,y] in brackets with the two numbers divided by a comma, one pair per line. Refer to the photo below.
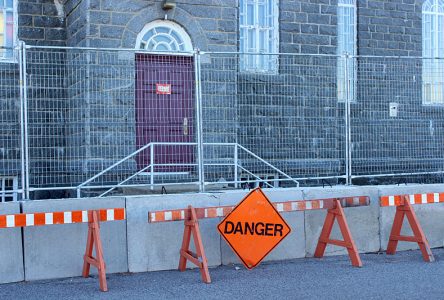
[25,187]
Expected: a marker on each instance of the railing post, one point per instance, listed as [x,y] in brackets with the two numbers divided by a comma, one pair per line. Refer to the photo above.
[198,95]
[236,162]
[152,166]
[348,142]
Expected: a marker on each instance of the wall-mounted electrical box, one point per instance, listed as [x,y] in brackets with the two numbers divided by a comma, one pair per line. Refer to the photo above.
[393,109]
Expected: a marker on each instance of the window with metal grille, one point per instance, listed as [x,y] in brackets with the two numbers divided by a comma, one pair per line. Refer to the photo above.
[259,35]
[7,29]
[346,45]
[433,52]
[8,191]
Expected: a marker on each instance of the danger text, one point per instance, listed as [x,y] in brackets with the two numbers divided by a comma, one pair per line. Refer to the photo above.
[259,228]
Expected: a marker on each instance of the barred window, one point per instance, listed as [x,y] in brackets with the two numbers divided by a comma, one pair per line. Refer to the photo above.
[258,35]
[433,52]
[7,28]
[346,44]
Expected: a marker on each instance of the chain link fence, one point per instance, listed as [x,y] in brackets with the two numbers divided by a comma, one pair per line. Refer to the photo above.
[103,121]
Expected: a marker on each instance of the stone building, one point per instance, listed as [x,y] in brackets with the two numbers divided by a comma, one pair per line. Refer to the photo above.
[293,101]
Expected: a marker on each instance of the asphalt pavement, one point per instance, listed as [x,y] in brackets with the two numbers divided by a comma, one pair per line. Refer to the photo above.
[403,276]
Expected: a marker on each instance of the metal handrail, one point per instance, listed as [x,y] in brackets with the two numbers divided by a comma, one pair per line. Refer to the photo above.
[79,187]
[268,164]
[152,145]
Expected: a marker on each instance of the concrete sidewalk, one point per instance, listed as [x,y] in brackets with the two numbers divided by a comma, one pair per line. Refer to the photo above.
[403,276]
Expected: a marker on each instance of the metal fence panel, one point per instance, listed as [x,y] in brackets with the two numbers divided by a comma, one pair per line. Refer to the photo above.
[115,118]
[10,130]
[98,118]
[395,131]
[272,127]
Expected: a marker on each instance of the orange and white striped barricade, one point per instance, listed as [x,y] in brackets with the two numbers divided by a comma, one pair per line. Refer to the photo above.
[92,217]
[191,215]
[404,208]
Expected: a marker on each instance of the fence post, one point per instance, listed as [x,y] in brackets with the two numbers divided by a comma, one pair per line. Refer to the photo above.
[348,150]
[198,95]
[24,120]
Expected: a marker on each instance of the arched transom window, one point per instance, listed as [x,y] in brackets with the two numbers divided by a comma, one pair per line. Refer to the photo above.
[164,36]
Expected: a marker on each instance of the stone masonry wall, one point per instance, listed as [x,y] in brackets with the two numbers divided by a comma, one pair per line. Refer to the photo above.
[42,22]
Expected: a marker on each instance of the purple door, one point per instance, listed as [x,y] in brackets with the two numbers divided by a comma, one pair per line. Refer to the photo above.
[165,110]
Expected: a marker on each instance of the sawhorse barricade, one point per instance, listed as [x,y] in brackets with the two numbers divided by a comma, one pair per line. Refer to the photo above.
[404,208]
[191,215]
[92,217]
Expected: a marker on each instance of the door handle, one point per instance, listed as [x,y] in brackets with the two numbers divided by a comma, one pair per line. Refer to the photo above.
[185,126]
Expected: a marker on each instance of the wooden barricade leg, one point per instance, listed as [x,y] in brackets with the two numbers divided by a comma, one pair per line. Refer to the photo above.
[199,258]
[337,213]
[88,259]
[406,209]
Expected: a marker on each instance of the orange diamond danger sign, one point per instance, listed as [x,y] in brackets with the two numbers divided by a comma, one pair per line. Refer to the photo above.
[254,228]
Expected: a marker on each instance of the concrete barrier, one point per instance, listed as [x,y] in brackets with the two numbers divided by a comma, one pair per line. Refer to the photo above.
[56,251]
[137,246]
[11,252]
[154,247]
[363,221]
[430,216]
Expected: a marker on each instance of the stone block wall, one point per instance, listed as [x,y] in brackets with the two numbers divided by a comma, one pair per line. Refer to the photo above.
[42,22]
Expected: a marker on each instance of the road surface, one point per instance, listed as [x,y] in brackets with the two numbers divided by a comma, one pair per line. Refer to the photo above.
[403,276]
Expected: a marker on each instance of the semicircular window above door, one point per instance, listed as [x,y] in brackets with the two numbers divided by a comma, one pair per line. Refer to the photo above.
[164,36]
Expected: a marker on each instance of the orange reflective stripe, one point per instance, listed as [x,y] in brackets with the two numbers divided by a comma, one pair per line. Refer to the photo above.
[119,214]
[20,220]
[77,216]
[301,205]
[176,215]
[2,221]
[58,218]
[287,206]
[418,198]
[39,219]
[384,201]
[315,204]
[212,212]
[103,215]
[430,198]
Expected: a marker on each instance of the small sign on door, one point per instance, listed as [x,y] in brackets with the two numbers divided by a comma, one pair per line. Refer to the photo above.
[163,89]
